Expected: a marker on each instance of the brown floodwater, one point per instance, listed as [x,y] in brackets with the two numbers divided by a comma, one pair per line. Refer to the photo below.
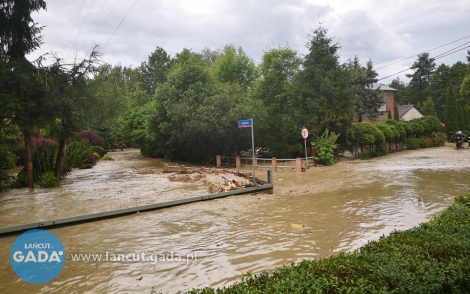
[314,214]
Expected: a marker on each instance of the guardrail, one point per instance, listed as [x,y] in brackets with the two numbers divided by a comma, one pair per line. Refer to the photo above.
[298,163]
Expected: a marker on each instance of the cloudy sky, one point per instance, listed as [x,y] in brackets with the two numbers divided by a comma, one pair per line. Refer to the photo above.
[384,31]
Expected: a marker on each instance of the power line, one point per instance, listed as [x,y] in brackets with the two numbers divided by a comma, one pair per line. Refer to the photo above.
[80,11]
[435,58]
[93,25]
[120,24]
[81,27]
[422,52]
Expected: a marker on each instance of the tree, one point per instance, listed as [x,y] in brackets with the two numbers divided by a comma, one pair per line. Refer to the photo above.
[437,88]
[326,97]
[277,70]
[153,72]
[23,88]
[451,116]
[420,79]
[402,94]
[367,98]
[428,108]
[71,101]
[234,66]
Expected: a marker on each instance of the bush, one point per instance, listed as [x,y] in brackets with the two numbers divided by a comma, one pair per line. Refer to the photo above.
[108,158]
[38,144]
[21,180]
[77,154]
[366,153]
[98,149]
[93,138]
[4,179]
[91,159]
[47,180]
[414,143]
[325,147]
[383,149]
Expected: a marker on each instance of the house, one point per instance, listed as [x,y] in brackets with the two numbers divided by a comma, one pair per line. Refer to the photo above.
[389,95]
[408,112]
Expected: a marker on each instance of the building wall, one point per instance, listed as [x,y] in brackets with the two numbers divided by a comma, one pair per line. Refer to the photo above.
[390,105]
[411,114]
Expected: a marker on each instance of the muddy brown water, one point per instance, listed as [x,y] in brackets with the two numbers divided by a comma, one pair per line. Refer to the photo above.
[315,214]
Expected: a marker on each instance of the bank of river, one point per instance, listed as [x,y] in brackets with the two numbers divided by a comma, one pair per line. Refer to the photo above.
[314,214]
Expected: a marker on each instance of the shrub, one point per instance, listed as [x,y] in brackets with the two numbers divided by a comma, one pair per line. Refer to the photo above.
[98,149]
[93,138]
[414,143]
[366,153]
[383,149]
[4,179]
[108,158]
[38,144]
[47,180]
[91,159]
[77,154]
[21,180]
[325,146]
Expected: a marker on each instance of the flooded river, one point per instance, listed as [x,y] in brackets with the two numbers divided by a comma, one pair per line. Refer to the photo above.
[315,214]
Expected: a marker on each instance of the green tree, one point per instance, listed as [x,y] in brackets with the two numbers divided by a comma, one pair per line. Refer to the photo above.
[23,87]
[326,98]
[367,98]
[437,88]
[153,72]
[234,66]
[278,68]
[428,108]
[420,79]
[451,116]
[402,94]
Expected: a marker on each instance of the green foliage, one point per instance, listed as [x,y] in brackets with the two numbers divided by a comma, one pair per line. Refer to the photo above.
[8,135]
[235,67]
[365,133]
[428,108]
[430,258]
[275,89]
[389,114]
[383,149]
[414,143]
[366,153]
[108,158]
[387,130]
[367,99]
[47,180]
[324,85]
[325,146]
[99,150]
[451,118]
[77,153]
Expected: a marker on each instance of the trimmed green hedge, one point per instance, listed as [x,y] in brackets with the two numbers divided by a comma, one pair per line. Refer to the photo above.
[431,258]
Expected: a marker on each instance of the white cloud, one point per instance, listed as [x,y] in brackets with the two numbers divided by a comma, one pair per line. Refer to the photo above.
[384,31]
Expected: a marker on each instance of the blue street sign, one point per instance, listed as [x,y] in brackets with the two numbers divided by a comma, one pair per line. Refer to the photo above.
[246,123]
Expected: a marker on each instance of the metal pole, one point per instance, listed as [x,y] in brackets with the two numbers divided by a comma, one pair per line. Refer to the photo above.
[253,148]
[306,158]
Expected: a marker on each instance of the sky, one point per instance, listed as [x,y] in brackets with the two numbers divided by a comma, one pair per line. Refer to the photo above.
[385,31]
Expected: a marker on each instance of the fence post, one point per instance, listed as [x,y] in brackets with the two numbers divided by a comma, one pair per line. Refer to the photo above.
[166,168]
[218,160]
[298,164]
[270,175]
[237,162]
[255,163]
[274,163]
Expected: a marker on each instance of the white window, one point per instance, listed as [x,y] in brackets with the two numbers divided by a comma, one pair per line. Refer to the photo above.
[383,107]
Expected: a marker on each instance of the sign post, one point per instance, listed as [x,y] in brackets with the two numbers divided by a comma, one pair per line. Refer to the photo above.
[248,123]
[304,134]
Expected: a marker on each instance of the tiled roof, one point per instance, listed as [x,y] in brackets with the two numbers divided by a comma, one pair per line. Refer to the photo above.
[403,109]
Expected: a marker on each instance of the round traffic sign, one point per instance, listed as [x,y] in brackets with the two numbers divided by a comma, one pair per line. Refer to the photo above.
[304,133]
